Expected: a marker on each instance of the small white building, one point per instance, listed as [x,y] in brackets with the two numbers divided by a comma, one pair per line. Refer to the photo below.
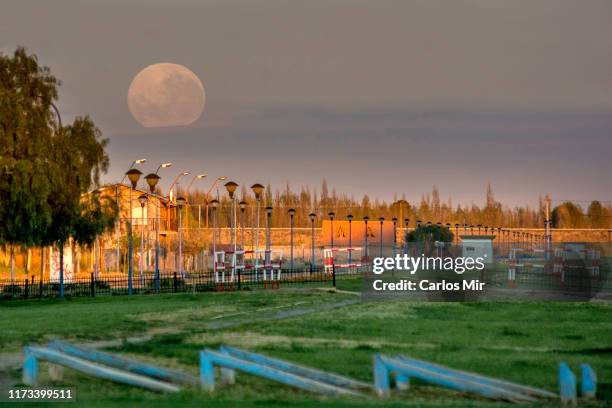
[478,246]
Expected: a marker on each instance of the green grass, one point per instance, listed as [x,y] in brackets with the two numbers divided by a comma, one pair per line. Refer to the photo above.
[515,341]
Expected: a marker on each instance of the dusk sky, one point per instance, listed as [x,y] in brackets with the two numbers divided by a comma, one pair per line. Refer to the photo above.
[376,96]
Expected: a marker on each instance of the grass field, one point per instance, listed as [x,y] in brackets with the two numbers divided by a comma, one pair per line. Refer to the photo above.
[516,341]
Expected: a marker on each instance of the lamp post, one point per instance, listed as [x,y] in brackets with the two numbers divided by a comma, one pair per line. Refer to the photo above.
[176,180]
[331,217]
[152,180]
[214,204]
[350,251]
[439,232]
[258,190]
[406,223]
[142,199]
[218,179]
[133,175]
[312,217]
[479,227]
[394,220]
[365,220]
[118,198]
[180,201]
[457,234]
[196,177]
[243,205]
[382,221]
[428,230]
[231,189]
[418,222]
[291,214]
[268,256]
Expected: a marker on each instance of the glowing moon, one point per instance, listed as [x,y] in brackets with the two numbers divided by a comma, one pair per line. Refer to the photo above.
[166,94]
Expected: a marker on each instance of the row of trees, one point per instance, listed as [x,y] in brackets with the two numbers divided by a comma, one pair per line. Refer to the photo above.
[429,208]
[46,167]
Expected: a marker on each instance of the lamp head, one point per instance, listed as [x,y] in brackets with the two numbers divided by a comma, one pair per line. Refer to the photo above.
[152,180]
[394,219]
[349,217]
[214,204]
[140,161]
[134,176]
[366,218]
[231,188]
[381,219]
[257,190]
[312,216]
[269,210]
[142,199]
[180,201]
[242,205]
[291,212]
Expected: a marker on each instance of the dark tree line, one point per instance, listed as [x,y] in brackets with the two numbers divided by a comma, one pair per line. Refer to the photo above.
[429,208]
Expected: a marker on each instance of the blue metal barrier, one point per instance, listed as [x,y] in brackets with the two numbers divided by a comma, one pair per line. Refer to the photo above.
[209,359]
[589,382]
[33,354]
[123,363]
[385,367]
[567,384]
[519,388]
[296,369]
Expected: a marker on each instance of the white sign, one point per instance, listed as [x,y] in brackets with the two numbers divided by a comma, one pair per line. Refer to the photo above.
[54,265]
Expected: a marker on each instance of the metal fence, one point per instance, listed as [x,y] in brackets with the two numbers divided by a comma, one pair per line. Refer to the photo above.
[172,283]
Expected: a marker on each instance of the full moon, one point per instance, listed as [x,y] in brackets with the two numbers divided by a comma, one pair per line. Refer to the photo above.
[166,94]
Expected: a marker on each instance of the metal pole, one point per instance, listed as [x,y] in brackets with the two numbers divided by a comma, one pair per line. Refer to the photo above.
[242,216]
[312,255]
[350,252]
[141,245]
[180,231]
[157,246]
[118,228]
[291,243]
[131,247]
[381,239]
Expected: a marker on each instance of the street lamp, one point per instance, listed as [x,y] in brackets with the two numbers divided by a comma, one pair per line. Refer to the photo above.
[418,222]
[350,250]
[163,166]
[394,220]
[382,221]
[135,162]
[243,205]
[312,217]
[152,180]
[268,257]
[133,175]
[180,201]
[258,190]
[365,220]
[142,199]
[406,223]
[214,204]
[457,234]
[291,214]
[196,177]
[218,179]
[331,217]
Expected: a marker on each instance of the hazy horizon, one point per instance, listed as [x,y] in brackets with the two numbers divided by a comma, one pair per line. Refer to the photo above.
[377,98]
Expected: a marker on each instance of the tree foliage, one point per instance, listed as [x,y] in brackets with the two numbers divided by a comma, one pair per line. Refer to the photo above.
[44,167]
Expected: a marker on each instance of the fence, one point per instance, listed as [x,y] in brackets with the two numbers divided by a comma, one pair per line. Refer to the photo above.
[167,283]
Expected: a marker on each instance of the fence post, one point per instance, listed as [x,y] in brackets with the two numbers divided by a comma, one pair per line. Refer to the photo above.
[25,293]
[175,282]
[92,285]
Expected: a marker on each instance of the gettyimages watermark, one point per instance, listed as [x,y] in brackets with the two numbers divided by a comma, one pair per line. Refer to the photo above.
[446,272]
